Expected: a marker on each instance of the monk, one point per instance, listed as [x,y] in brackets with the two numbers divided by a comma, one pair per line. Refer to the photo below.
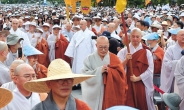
[57,45]
[142,63]
[156,50]
[109,87]
[171,57]
[41,44]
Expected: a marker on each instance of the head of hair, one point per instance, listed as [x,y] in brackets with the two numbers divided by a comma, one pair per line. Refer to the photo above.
[141,22]
[180,24]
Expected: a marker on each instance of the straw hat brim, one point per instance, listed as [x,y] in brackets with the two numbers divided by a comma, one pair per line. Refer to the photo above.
[5,98]
[40,85]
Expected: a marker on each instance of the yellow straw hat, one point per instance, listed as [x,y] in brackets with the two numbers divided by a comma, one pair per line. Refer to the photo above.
[58,69]
[5,97]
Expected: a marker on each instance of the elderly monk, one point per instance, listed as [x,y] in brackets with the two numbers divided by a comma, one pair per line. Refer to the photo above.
[18,32]
[23,99]
[143,66]
[57,45]
[179,77]
[32,59]
[4,71]
[171,57]
[156,50]
[109,87]
[11,85]
[59,86]
[80,47]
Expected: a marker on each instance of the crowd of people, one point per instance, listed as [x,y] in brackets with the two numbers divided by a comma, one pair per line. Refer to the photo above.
[44,55]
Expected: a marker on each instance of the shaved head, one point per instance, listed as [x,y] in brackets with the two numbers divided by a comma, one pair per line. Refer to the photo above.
[15,24]
[102,46]
[83,24]
[102,40]
[14,64]
[180,37]
[22,68]
[111,27]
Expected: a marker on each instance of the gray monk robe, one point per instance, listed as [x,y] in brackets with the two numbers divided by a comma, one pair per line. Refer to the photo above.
[93,88]
[179,77]
[4,74]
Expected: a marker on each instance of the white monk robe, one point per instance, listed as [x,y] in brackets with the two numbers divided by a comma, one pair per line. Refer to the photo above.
[44,34]
[147,76]
[4,74]
[21,34]
[98,28]
[20,102]
[10,86]
[179,77]
[93,88]
[79,48]
[10,58]
[30,35]
[51,43]
[171,57]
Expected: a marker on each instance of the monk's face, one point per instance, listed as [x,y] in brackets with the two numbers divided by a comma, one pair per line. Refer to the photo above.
[135,38]
[102,47]
[180,37]
[56,31]
[45,28]
[61,88]
[32,59]
[152,43]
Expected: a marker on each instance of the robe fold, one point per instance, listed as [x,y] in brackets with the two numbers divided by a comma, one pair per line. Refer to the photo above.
[10,86]
[140,65]
[142,62]
[79,48]
[20,102]
[4,74]
[57,49]
[179,77]
[41,71]
[158,54]
[115,84]
[93,88]
[171,57]
[44,48]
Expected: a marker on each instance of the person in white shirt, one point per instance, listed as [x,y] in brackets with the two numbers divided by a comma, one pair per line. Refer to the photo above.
[13,42]
[32,27]
[116,21]
[111,29]
[4,76]
[18,32]
[46,32]
[67,32]
[23,99]
[11,85]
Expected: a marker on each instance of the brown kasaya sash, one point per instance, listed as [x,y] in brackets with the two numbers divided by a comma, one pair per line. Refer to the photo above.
[140,65]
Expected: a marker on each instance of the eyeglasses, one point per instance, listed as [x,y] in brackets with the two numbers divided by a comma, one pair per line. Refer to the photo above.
[104,48]
[28,76]
[61,81]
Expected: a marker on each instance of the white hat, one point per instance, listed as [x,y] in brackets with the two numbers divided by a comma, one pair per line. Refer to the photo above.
[56,26]
[58,69]
[33,23]
[39,29]
[96,17]
[78,27]
[164,23]
[136,16]
[46,24]
[26,23]
[156,25]
[104,20]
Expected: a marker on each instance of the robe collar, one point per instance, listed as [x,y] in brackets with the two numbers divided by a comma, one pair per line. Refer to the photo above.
[70,105]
